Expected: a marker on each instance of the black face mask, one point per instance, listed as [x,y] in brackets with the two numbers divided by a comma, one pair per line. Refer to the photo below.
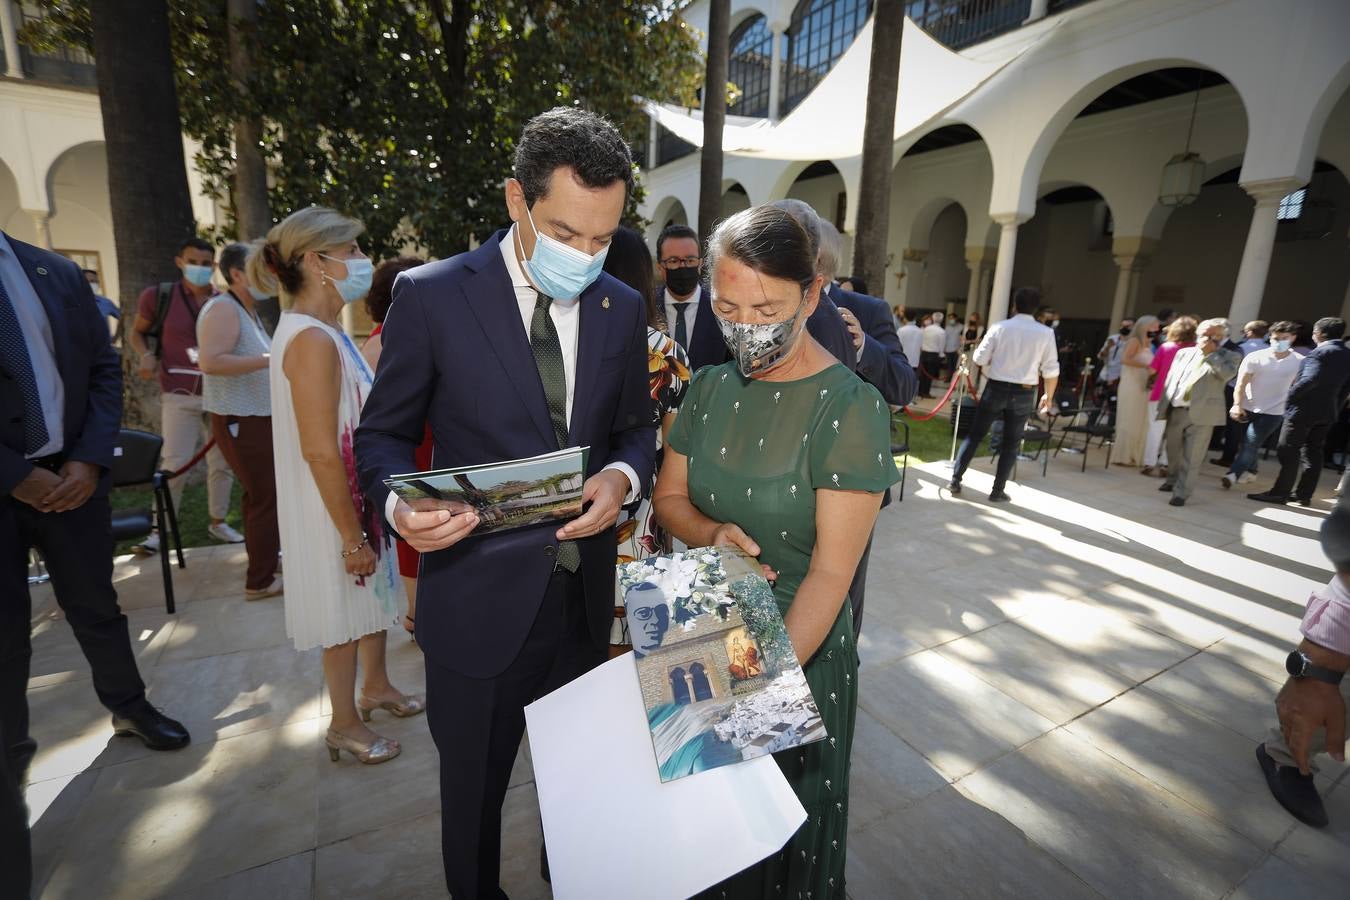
[682,281]
[1125,331]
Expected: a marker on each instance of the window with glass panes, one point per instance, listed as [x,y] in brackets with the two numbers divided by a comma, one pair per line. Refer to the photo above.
[748,66]
[820,32]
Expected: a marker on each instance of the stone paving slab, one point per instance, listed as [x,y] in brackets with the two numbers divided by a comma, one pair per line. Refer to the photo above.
[1059,698]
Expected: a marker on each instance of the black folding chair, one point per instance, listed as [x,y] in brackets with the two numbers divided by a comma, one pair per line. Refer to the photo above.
[135,462]
[1096,424]
[1041,437]
[901,448]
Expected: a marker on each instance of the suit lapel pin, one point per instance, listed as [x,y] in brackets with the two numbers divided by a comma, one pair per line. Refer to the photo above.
[605,303]
[41,270]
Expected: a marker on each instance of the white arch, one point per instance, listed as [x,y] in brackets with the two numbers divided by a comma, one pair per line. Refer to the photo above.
[662,211]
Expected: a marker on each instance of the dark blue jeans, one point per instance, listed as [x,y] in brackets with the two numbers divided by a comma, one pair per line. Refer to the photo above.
[1260,426]
[1004,402]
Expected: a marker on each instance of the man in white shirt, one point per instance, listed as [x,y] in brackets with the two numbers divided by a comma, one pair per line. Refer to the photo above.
[951,345]
[1015,354]
[930,353]
[911,342]
[1263,382]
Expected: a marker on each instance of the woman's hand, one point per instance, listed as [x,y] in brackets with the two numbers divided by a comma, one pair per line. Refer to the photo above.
[732,534]
[362,562]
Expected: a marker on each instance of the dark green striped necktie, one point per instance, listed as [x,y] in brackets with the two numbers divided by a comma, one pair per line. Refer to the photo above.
[548,359]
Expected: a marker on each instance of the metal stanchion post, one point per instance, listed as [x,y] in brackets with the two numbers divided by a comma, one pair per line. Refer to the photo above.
[962,373]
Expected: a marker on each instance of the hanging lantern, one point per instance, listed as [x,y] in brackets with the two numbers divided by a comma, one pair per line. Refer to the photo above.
[1182,178]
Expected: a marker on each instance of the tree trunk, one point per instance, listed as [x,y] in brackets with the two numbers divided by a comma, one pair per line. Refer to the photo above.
[874,194]
[147,174]
[253,217]
[714,117]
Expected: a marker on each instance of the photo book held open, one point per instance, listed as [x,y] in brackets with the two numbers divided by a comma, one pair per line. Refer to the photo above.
[505,495]
[719,678]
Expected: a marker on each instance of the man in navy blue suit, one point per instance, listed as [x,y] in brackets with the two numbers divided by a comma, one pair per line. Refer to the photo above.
[880,362]
[60,411]
[685,300]
[521,347]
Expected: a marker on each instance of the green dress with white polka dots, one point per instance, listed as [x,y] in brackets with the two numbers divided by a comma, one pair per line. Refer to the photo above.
[758,451]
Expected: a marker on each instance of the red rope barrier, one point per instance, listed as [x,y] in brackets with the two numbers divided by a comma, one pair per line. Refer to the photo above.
[206,448]
[936,409]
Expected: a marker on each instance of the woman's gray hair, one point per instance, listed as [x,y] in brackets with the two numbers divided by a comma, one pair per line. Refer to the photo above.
[1141,326]
[831,248]
[1215,323]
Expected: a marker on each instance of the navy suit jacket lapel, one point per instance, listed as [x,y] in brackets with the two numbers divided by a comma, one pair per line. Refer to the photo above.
[593,328]
[492,299]
[46,290]
[706,335]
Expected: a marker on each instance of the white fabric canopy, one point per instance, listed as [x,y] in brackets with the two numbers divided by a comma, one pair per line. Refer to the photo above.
[933,80]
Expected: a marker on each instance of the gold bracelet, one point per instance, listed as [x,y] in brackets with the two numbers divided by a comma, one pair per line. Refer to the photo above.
[357,549]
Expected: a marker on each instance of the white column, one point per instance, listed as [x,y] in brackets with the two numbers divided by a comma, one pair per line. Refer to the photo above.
[977,259]
[1255,266]
[1127,284]
[653,136]
[1038,10]
[13,65]
[775,70]
[973,291]
[41,222]
[1001,293]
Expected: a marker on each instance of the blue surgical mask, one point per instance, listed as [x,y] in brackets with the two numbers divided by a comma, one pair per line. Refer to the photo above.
[558,270]
[1281,346]
[356,285]
[198,275]
[257,294]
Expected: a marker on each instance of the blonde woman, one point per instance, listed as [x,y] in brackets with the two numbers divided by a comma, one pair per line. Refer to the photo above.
[1132,392]
[343,587]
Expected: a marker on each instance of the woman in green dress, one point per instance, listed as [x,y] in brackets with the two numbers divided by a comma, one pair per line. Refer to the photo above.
[785,453]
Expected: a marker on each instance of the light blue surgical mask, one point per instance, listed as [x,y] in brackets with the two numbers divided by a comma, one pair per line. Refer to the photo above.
[198,275]
[360,272]
[558,270]
[1281,346]
[257,294]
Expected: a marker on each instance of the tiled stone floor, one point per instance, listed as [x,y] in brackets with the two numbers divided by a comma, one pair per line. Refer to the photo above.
[1059,698]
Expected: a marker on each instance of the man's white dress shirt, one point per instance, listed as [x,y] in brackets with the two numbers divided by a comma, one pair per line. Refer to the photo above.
[1019,350]
[934,338]
[690,314]
[37,335]
[911,341]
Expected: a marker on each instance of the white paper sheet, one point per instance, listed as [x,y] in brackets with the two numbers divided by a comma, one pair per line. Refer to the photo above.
[613,828]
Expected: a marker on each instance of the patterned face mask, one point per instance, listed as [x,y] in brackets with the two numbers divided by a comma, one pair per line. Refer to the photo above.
[759,348]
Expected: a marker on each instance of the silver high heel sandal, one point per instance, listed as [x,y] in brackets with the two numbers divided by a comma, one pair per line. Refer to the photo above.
[410,705]
[380,750]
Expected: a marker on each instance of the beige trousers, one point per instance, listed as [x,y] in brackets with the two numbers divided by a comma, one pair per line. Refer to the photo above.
[185,428]
[1155,454]
[1279,750]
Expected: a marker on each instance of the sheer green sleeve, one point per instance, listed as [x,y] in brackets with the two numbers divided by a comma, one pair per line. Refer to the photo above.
[681,434]
[851,449]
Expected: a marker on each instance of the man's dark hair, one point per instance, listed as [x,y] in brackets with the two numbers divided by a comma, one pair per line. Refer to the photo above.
[768,240]
[859,286]
[630,261]
[1332,328]
[1026,299]
[197,243]
[381,294]
[234,256]
[89,272]
[1335,537]
[1164,315]
[1285,327]
[587,144]
[674,231]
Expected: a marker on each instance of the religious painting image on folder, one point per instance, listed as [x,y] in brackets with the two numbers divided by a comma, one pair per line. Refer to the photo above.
[720,681]
[510,494]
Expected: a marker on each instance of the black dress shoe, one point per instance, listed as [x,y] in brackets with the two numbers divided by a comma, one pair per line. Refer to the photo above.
[1268,497]
[1295,791]
[998,497]
[1176,501]
[954,488]
[1220,461]
[1165,486]
[156,730]
[1299,501]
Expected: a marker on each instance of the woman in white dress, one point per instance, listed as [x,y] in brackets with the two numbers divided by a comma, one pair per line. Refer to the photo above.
[342,576]
[1132,393]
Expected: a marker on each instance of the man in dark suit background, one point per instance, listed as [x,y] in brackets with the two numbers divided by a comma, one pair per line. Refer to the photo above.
[826,324]
[1315,401]
[60,412]
[685,299]
[881,363]
[518,348]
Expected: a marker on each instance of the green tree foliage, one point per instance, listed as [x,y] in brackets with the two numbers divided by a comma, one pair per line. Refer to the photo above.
[406,113]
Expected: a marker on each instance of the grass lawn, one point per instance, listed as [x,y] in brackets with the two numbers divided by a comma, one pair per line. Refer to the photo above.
[930,441]
[192,517]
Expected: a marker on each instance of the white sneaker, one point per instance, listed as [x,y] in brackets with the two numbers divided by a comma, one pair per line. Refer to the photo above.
[222,531]
[1246,478]
[1228,479]
[151,543]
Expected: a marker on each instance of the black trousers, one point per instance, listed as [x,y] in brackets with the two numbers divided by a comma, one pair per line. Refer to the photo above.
[15,844]
[77,547]
[477,724]
[929,366]
[1300,455]
[1005,402]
